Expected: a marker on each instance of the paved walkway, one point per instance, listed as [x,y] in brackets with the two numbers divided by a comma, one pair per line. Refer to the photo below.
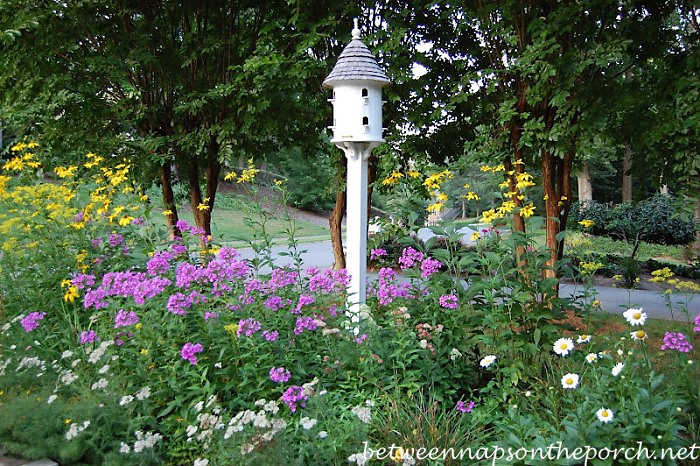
[613,300]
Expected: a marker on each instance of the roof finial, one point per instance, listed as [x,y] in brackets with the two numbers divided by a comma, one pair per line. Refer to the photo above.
[356,31]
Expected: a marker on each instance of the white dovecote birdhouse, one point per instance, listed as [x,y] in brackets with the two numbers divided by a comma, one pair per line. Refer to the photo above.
[357,83]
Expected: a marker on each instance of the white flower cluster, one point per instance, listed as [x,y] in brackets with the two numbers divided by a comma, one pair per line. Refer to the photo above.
[358,458]
[201,462]
[364,413]
[100,384]
[455,354]
[207,422]
[141,395]
[259,420]
[67,377]
[143,441]
[31,362]
[3,366]
[307,422]
[97,353]
[76,429]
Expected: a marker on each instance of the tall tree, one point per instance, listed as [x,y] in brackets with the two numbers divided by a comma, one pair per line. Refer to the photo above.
[195,82]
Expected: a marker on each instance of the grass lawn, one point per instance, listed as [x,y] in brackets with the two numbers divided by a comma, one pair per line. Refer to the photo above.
[229,222]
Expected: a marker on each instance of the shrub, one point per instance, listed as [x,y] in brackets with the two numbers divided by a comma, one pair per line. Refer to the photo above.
[653,220]
[661,224]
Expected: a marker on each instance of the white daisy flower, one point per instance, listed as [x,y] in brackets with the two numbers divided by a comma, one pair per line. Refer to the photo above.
[604,415]
[488,360]
[583,338]
[635,316]
[591,357]
[569,381]
[617,369]
[639,335]
[563,346]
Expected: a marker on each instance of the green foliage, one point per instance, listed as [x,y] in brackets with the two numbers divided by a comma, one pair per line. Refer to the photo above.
[653,220]
[308,180]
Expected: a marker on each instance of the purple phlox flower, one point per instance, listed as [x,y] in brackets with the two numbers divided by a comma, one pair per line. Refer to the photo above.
[134,285]
[280,374]
[333,310]
[227,254]
[178,249]
[387,288]
[184,227]
[274,303]
[271,335]
[377,254]
[210,315]
[697,324]
[361,339]
[186,274]
[118,337]
[82,280]
[294,398]
[149,288]
[31,321]
[79,217]
[88,336]
[139,221]
[96,242]
[189,351]
[409,257]
[305,323]
[248,327]
[125,318]
[282,277]
[329,280]
[95,298]
[159,264]
[676,341]
[304,300]
[464,408]
[115,240]
[179,303]
[429,266]
[449,301]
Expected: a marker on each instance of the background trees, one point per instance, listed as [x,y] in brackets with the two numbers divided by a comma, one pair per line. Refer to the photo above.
[543,86]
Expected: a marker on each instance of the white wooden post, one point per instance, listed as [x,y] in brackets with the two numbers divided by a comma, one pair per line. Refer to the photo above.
[357,83]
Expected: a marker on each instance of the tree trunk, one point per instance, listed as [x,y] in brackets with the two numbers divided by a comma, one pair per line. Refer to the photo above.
[335,220]
[585,189]
[169,206]
[556,182]
[627,174]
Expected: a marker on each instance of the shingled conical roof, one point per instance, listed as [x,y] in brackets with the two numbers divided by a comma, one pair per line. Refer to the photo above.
[356,62]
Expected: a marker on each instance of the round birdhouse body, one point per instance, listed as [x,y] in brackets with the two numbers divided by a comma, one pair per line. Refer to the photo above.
[357,111]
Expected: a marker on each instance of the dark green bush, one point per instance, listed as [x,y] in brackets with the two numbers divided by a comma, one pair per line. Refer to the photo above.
[653,219]
[661,224]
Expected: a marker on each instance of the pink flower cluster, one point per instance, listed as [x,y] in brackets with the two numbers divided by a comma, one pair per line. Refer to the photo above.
[294,398]
[125,318]
[463,407]
[377,254]
[449,301]
[189,351]
[280,374]
[676,341]
[697,324]
[31,321]
[388,289]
